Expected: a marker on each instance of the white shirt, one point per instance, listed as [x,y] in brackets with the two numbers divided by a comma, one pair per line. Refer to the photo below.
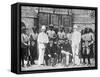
[69,36]
[76,37]
[43,38]
[51,33]
[61,35]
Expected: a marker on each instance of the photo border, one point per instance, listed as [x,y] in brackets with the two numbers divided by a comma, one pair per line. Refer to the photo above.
[54,6]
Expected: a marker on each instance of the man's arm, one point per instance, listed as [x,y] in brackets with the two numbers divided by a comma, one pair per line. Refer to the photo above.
[39,40]
[22,40]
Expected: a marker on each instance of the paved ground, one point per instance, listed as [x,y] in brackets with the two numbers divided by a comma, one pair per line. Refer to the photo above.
[41,67]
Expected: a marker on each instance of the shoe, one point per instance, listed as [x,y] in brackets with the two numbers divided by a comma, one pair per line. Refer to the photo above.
[23,65]
[28,65]
[32,63]
[84,63]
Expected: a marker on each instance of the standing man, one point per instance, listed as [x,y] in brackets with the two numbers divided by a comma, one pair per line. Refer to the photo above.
[88,45]
[25,47]
[33,45]
[51,32]
[42,41]
[61,33]
[76,38]
[91,40]
[23,44]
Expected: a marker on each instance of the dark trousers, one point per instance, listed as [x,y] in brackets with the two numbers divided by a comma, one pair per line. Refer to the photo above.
[50,60]
[86,56]
[24,55]
[47,59]
[88,60]
[32,54]
[60,54]
[54,57]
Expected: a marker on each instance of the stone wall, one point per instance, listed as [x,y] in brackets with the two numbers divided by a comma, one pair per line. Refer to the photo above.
[28,14]
[83,18]
[79,17]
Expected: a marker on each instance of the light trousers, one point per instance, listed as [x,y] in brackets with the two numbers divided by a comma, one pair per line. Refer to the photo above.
[67,56]
[41,54]
[75,51]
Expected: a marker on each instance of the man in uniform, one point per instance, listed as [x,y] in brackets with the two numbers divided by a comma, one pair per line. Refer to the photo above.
[51,32]
[61,33]
[42,41]
[76,38]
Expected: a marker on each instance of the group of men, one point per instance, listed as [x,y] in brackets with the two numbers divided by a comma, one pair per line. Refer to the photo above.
[50,47]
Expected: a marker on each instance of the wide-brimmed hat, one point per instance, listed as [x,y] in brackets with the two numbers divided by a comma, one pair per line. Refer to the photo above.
[43,27]
[51,25]
[75,26]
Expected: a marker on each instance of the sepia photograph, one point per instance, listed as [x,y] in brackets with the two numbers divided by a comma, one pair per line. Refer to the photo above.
[53,38]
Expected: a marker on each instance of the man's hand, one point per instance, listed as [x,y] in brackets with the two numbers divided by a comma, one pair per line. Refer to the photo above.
[55,53]
[33,43]
[49,55]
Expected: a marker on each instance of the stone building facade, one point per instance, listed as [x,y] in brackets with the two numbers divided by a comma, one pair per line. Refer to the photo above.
[37,16]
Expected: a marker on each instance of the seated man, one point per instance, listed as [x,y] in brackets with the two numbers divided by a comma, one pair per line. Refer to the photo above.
[51,54]
[67,51]
[61,39]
